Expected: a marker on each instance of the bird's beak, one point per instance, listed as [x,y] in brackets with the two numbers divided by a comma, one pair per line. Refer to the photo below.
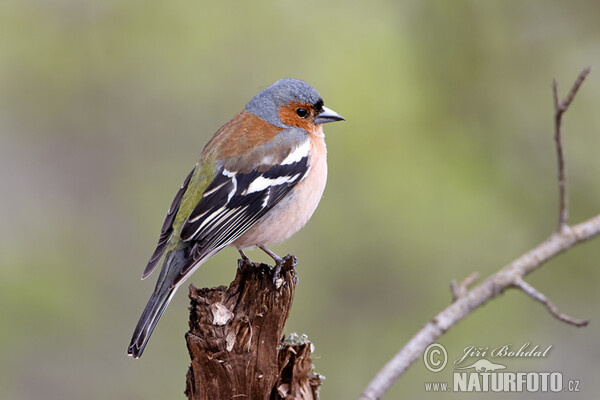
[328,115]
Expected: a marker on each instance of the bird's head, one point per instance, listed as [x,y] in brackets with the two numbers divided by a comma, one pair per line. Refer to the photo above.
[291,103]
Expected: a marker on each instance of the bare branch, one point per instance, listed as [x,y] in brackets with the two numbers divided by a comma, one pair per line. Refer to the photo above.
[559,110]
[536,295]
[510,276]
[481,294]
[564,105]
[460,290]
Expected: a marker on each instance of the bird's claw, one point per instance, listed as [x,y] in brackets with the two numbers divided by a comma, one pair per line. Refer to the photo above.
[290,261]
[277,280]
[293,258]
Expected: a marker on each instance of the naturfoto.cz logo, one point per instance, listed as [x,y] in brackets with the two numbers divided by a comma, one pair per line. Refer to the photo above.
[484,375]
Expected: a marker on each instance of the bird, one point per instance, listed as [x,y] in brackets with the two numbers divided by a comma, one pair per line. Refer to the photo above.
[258,181]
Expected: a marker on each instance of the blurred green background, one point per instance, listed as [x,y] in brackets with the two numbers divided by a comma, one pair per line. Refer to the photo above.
[444,166]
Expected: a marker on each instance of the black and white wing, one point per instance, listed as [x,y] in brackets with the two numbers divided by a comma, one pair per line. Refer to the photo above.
[234,201]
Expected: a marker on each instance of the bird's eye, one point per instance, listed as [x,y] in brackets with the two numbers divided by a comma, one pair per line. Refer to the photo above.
[302,112]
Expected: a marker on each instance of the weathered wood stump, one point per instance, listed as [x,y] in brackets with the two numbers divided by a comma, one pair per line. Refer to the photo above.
[235,339]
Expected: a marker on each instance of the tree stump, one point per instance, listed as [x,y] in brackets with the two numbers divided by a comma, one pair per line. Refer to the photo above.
[235,340]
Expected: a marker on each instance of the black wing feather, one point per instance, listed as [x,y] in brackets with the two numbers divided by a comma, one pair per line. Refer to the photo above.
[227,210]
[167,228]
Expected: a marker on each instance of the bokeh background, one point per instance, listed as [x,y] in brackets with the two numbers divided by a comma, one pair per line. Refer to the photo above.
[444,166]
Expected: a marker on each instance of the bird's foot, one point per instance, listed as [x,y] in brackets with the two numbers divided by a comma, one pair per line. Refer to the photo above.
[289,261]
[277,280]
[245,259]
[293,261]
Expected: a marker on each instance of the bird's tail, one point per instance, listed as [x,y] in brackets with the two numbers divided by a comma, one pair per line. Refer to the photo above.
[162,295]
[154,310]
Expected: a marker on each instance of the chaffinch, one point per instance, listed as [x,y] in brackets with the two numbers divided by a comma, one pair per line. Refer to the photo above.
[258,181]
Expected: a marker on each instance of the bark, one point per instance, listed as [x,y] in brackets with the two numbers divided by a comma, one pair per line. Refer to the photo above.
[235,340]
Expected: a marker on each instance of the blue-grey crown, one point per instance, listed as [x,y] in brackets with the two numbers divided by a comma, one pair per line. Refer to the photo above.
[266,104]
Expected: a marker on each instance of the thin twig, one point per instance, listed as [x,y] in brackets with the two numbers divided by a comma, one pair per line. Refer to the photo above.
[537,295]
[460,290]
[511,275]
[559,109]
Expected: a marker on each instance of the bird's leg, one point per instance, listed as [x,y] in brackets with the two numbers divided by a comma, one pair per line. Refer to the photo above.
[245,259]
[278,261]
[244,256]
